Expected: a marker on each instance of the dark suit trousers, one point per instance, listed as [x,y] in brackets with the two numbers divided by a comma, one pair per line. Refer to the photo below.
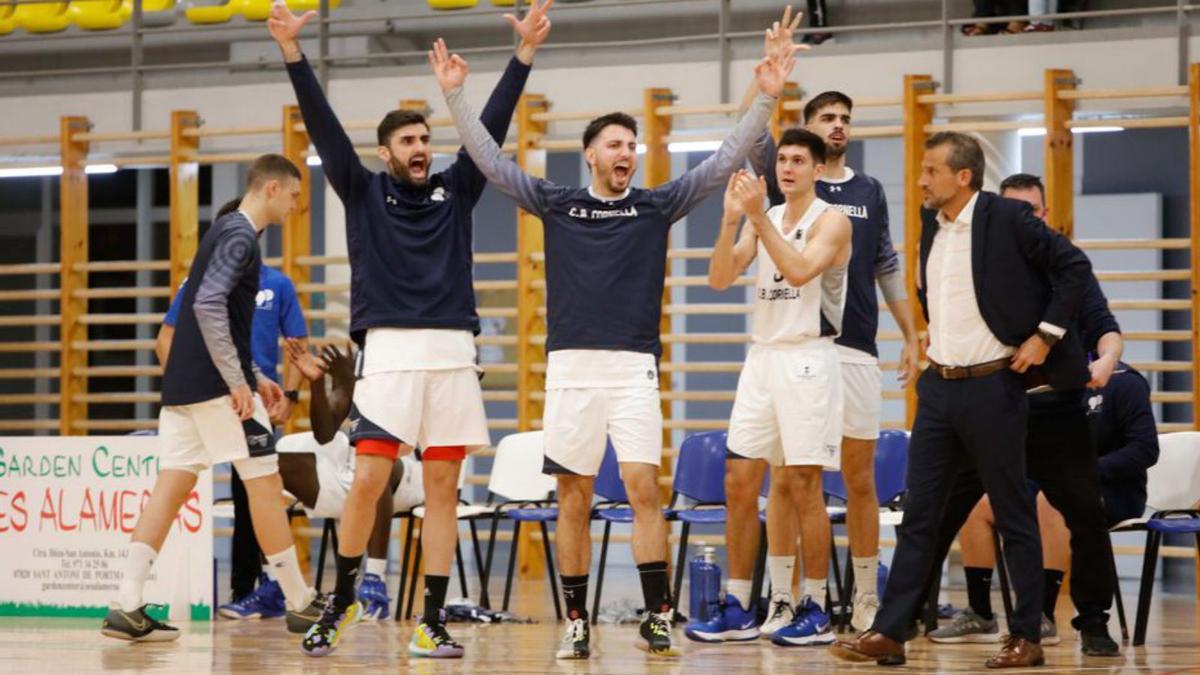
[977,423]
[247,558]
[1061,459]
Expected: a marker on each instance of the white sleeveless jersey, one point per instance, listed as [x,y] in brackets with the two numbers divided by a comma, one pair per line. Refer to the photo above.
[785,314]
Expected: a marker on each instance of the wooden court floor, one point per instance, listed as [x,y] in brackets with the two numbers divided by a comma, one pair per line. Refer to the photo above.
[74,646]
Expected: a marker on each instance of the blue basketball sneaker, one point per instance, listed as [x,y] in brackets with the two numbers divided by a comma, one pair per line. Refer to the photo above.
[810,627]
[730,622]
[266,602]
[373,595]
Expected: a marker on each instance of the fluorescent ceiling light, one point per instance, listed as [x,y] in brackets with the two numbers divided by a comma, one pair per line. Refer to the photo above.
[313,160]
[694,146]
[1041,131]
[38,171]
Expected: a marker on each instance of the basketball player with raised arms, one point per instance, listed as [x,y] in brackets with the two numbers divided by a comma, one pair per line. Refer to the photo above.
[413,315]
[606,249]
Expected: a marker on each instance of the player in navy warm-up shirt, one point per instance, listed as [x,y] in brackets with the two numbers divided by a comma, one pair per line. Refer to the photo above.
[276,312]
[209,414]
[874,262]
[408,234]
[606,247]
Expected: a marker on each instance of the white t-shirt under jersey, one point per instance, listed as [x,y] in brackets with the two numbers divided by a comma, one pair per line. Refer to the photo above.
[784,313]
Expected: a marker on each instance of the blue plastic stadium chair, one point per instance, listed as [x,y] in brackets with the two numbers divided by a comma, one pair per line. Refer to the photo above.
[700,477]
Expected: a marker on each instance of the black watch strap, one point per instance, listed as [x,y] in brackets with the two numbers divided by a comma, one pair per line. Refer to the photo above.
[292,395]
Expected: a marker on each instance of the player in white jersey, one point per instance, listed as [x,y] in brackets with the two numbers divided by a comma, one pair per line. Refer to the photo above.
[788,409]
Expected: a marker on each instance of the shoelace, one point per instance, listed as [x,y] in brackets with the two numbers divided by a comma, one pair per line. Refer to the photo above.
[575,631]
[660,624]
[778,608]
[440,636]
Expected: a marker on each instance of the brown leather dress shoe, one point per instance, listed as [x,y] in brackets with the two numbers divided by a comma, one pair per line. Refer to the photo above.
[1017,652]
[870,646]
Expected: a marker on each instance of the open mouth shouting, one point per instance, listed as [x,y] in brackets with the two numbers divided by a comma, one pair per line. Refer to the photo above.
[621,172]
[418,167]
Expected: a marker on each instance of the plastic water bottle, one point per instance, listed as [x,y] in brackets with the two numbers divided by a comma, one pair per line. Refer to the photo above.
[705,584]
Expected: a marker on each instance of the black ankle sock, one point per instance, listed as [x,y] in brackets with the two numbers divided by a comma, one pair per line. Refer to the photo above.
[575,589]
[655,586]
[435,597]
[979,590]
[1054,579]
[347,577]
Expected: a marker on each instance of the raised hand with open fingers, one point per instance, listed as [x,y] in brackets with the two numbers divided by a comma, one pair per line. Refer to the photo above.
[779,41]
[534,27]
[449,69]
[285,26]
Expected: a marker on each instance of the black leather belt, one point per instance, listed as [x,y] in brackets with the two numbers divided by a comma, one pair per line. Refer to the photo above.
[969,372]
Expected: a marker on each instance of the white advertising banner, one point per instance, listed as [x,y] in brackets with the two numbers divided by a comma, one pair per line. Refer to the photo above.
[67,508]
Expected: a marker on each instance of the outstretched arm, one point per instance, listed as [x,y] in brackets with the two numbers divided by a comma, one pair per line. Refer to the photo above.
[497,113]
[339,161]
[682,194]
[777,43]
[451,72]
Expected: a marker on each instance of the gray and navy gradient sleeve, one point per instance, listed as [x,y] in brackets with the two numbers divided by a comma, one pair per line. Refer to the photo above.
[681,195]
[762,161]
[233,253]
[887,261]
[529,192]
[496,115]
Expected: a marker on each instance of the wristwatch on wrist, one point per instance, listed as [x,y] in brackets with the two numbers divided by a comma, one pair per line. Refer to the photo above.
[1049,338]
[292,395]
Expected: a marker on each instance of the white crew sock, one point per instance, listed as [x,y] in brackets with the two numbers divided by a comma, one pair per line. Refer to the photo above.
[296,592]
[815,589]
[377,566]
[137,568]
[781,568]
[269,571]
[866,574]
[739,589]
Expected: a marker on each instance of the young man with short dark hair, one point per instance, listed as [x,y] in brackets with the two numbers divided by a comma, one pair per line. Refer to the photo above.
[606,248]
[788,410]
[210,414]
[409,237]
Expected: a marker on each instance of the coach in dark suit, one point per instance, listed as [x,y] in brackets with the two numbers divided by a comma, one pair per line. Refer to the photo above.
[998,289]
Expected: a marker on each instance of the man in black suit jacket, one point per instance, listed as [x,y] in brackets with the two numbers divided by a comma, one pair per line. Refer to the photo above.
[998,289]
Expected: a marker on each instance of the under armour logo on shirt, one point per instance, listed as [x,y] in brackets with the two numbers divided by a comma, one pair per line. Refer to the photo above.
[835,188]
[391,201]
[439,194]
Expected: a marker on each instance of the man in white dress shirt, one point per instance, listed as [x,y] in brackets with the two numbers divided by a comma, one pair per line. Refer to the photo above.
[998,288]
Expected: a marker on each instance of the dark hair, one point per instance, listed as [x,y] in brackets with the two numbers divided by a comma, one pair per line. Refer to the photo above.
[805,139]
[228,207]
[1023,181]
[823,100]
[597,125]
[965,153]
[395,120]
[270,166]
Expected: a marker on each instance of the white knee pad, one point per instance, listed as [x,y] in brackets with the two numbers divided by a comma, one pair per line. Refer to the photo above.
[250,468]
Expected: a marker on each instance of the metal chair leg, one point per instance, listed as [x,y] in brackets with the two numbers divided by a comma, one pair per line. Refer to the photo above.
[486,575]
[760,564]
[412,588]
[1149,564]
[462,570]
[835,563]
[475,547]
[1119,601]
[324,549]
[512,564]
[1002,570]
[680,561]
[405,554]
[600,572]
[551,574]
[849,581]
